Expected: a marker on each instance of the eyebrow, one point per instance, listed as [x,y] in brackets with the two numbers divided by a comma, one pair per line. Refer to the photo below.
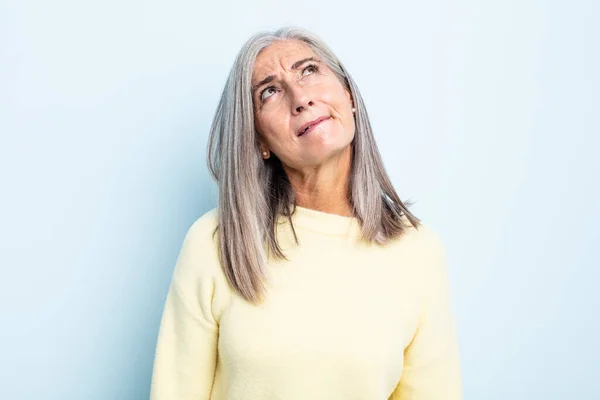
[270,78]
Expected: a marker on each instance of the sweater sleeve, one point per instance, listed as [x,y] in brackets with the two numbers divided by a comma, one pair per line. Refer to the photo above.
[431,360]
[186,348]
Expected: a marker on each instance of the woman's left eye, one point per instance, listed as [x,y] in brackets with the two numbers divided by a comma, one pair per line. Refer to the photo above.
[311,66]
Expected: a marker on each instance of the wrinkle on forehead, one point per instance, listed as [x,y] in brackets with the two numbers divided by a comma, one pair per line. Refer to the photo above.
[282,53]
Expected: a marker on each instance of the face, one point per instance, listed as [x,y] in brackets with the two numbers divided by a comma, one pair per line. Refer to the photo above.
[300,91]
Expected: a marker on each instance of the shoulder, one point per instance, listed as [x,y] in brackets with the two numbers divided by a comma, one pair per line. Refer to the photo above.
[424,250]
[203,227]
[430,251]
[198,268]
[422,238]
[200,240]
[429,240]
[198,253]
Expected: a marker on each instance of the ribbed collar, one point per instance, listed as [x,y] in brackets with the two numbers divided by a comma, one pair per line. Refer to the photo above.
[322,222]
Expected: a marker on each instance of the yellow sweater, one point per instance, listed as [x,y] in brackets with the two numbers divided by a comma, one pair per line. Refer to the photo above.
[342,320]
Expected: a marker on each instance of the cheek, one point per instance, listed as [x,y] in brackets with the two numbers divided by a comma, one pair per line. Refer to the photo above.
[336,97]
[274,126]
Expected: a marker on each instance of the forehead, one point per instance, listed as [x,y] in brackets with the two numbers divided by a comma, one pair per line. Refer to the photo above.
[279,55]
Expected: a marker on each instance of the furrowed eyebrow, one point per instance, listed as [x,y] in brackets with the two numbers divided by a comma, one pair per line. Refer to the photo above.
[270,78]
[297,64]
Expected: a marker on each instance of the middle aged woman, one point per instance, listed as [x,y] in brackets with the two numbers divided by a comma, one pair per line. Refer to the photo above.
[311,279]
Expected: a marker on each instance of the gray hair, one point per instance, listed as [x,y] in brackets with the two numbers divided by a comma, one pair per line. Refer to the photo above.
[253,192]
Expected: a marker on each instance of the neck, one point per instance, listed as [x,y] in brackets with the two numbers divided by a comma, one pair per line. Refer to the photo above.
[324,187]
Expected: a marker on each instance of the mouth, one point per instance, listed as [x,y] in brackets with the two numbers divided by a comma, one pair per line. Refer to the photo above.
[306,128]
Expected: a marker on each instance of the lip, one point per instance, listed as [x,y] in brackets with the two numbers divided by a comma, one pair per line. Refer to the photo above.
[314,123]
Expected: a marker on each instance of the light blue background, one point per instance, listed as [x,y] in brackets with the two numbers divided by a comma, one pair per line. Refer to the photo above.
[486,114]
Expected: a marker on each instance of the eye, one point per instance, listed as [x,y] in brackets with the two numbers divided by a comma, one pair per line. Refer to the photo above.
[312,67]
[262,98]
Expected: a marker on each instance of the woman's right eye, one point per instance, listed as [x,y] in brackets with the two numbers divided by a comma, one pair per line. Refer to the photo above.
[262,94]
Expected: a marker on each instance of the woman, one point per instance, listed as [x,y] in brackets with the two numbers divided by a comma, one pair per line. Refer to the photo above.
[311,279]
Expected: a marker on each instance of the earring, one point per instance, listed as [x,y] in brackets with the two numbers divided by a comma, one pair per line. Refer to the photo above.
[353,110]
[264,153]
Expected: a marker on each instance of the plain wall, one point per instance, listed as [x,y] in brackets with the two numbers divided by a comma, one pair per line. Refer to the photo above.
[486,114]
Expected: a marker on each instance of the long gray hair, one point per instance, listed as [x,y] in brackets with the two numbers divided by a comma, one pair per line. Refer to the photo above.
[253,192]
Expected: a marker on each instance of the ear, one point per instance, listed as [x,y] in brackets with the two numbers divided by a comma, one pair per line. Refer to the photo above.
[349,96]
[262,144]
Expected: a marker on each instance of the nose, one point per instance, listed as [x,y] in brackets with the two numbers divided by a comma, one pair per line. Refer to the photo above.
[300,98]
